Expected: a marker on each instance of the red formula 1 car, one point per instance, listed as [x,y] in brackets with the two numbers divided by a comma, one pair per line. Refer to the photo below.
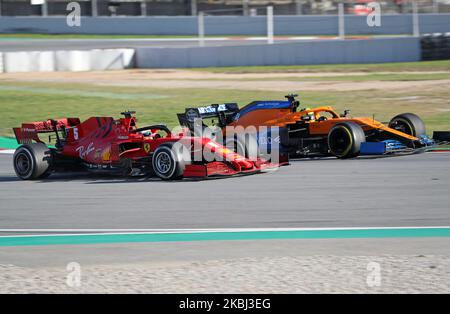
[106,145]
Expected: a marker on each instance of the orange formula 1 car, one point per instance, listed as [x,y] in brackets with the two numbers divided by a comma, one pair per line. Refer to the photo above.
[318,131]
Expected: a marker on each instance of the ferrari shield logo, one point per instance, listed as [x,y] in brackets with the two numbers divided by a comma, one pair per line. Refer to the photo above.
[146,147]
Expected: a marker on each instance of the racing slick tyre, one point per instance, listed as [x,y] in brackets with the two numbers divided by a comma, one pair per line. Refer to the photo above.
[344,139]
[169,161]
[32,161]
[408,123]
[246,146]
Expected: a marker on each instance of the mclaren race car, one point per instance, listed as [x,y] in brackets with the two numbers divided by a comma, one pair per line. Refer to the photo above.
[107,145]
[314,132]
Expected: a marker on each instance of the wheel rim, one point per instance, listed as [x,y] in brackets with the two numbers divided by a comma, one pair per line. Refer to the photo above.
[23,164]
[163,163]
[340,142]
[403,126]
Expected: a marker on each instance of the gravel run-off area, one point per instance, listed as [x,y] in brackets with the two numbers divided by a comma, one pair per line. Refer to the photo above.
[305,274]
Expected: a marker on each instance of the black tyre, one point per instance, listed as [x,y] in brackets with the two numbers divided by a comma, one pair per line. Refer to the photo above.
[32,161]
[236,146]
[408,123]
[169,161]
[245,145]
[344,139]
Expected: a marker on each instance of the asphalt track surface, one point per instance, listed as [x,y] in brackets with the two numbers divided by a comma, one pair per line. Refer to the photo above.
[86,44]
[383,192]
[201,251]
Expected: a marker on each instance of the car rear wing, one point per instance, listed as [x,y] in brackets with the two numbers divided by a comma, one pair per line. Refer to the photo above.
[225,113]
[28,132]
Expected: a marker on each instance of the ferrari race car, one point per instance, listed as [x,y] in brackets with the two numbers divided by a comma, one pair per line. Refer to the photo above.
[106,145]
[314,132]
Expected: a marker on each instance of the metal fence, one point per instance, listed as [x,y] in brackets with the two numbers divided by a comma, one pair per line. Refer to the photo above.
[214,7]
[305,25]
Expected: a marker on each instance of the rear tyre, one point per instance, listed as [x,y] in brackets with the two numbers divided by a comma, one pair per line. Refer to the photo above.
[408,123]
[32,161]
[169,161]
[344,140]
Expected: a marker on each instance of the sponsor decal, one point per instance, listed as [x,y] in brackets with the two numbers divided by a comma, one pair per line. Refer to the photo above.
[75,133]
[83,152]
[147,147]
[98,154]
[211,109]
[265,140]
[106,154]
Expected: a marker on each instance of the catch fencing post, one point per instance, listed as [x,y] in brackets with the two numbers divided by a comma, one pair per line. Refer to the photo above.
[270,25]
[415,19]
[193,7]
[341,21]
[298,7]
[144,8]
[435,6]
[43,4]
[45,9]
[201,28]
[245,11]
[94,8]
[416,31]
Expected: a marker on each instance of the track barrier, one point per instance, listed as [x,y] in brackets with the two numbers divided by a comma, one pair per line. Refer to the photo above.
[70,60]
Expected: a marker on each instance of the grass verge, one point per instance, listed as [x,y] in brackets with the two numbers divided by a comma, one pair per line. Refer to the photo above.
[443,65]
[405,76]
[25,102]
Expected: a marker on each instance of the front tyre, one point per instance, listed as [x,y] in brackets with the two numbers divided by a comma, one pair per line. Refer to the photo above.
[32,161]
[408,123]
[245,145]
[169,161]
[344,139]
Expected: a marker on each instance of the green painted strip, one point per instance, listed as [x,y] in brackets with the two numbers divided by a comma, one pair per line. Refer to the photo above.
[8,143]
[221,236]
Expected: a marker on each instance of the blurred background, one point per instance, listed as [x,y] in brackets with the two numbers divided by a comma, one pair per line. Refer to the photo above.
[224,7]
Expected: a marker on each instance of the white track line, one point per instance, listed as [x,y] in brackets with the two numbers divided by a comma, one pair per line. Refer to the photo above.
[7,151]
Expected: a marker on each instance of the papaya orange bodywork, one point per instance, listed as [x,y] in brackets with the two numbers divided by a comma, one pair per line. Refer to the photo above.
[284,117]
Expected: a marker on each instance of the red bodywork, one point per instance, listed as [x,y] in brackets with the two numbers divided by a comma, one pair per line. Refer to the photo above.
[103,142]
